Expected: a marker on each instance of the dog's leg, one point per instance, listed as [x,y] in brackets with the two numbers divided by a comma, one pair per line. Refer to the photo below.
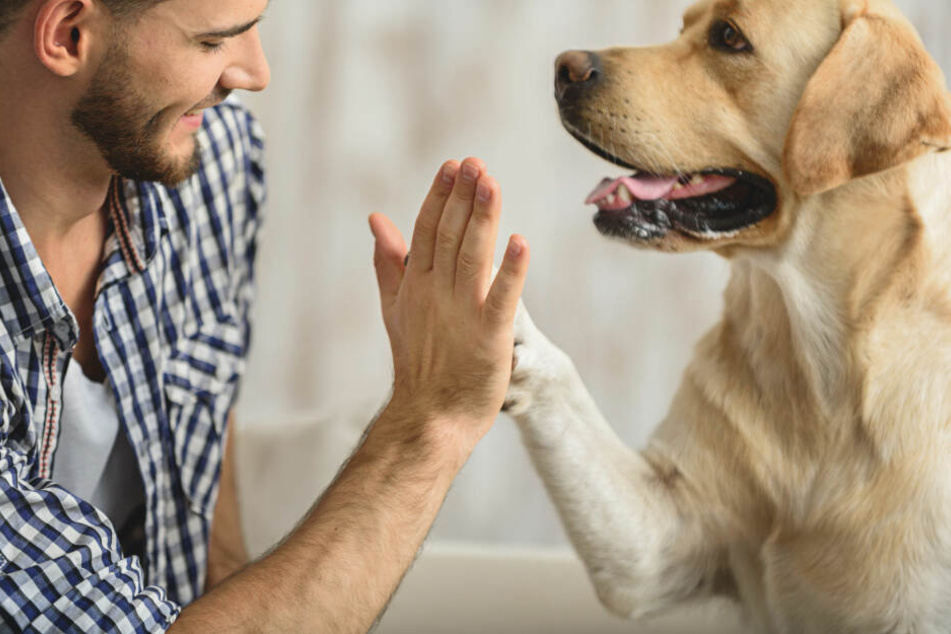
[631,521]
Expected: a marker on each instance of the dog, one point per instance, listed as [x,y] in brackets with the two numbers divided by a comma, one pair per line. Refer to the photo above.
[804,467]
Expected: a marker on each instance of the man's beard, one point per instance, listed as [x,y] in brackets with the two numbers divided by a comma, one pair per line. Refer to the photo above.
[118,121]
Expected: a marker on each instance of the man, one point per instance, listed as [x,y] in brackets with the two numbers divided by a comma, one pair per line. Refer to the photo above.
[129,206]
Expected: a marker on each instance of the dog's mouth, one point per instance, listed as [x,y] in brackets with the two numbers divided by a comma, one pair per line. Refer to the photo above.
[708,204]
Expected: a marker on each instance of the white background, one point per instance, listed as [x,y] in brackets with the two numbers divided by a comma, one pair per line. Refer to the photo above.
[367,99]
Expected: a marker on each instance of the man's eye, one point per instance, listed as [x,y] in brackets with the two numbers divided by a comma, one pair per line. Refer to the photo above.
[212,47]
[725,36]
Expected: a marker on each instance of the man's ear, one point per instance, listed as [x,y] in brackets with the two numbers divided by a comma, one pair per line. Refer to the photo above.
[61,34]
[877,101]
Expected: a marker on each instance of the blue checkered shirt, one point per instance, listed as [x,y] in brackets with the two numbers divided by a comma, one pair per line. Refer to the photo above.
[171,327]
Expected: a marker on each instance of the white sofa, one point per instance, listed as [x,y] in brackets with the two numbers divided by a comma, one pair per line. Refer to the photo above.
[475,589]
[454,588]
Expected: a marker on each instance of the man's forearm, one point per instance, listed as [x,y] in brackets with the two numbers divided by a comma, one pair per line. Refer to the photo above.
[338,569]
[226,551]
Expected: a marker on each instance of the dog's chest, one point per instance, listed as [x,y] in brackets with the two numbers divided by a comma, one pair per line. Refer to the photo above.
[860,566]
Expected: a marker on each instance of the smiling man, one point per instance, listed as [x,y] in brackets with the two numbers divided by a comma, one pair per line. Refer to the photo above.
[131,188]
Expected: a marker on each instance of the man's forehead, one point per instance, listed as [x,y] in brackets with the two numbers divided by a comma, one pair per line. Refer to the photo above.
[220,15]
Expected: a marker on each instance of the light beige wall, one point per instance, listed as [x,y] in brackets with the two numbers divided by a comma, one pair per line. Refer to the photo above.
[368,98]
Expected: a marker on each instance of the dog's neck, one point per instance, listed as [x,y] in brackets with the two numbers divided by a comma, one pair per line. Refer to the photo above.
[883,241]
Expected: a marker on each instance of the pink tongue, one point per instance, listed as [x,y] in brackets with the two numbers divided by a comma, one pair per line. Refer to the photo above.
[649,187]
[641,188]
[655,188]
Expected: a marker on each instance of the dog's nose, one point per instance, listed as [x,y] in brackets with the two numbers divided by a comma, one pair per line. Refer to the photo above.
[576,71]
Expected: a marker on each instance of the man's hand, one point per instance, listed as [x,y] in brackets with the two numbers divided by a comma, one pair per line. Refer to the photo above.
[451,329]
[450,325]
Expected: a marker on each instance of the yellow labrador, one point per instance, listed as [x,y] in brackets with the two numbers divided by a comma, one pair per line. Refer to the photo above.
[804,468]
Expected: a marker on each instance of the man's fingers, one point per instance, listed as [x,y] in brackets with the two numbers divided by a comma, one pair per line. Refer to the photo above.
[455,218]
[502,300]
[427,224]
[388,256]
[474,266]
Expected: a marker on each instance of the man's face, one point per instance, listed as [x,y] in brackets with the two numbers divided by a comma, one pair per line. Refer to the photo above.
[144,104]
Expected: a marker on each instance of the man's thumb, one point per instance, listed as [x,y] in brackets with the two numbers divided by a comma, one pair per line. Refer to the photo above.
[388,256]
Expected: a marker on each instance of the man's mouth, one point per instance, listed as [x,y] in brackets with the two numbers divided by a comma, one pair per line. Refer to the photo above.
[707,204]
[200,109]
[215,99]
[192,120]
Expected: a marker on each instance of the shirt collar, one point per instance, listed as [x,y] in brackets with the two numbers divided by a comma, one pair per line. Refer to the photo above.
[137,218]
[29,302]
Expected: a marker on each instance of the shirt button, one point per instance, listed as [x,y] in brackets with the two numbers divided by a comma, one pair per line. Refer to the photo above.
[104,322]
[56,392]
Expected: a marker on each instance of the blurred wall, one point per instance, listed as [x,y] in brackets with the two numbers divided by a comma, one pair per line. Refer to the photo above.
[368,98]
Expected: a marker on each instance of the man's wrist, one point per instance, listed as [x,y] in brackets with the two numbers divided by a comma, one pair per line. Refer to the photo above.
[444,439]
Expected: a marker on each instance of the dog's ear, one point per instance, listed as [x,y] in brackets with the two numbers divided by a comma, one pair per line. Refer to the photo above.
[878,100]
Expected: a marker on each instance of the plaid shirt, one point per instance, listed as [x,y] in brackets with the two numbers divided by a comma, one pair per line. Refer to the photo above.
[171,327]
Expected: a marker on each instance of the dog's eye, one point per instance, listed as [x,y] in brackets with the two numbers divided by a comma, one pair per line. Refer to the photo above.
[725,36]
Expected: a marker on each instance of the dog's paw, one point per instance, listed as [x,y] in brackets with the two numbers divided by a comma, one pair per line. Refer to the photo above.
[519,397]
[535,363]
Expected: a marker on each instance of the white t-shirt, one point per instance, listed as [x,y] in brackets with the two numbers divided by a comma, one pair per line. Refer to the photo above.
[94,459]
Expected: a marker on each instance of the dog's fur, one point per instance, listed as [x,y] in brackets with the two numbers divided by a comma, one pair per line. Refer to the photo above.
[804,468]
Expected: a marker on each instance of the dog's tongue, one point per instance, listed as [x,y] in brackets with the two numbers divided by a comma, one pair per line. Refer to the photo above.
[610,194]
[641,187]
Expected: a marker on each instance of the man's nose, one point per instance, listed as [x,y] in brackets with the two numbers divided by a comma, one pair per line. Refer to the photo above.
[575,73]
[250,70]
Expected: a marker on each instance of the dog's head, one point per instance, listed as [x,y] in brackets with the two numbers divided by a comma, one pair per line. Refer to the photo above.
[757,106]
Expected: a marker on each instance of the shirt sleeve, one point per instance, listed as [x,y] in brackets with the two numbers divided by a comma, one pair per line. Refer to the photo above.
[247,227]
[60,564]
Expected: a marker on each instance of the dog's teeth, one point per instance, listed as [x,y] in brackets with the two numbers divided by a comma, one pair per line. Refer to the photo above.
[612,199]
[697,180]
[678,186]
[624,194]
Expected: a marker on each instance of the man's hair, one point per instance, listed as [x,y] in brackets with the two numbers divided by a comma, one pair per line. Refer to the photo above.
[10,10]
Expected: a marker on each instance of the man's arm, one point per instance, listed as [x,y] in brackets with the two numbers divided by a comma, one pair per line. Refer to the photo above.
[226,550]
[338,570]
[451,330]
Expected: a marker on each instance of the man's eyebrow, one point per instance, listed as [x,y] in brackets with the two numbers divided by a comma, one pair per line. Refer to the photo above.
[227,33]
